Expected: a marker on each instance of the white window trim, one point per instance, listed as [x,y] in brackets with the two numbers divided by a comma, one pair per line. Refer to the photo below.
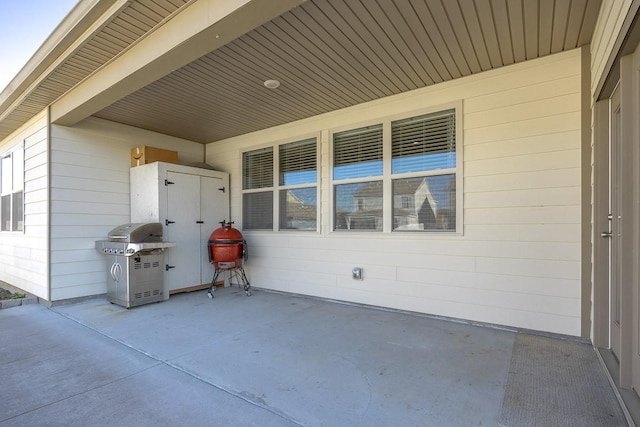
[387,177]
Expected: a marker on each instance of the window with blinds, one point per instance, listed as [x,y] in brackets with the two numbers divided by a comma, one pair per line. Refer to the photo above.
[257,211]
[422,151]
[294,187]
[298,193]
[257,169]
[298,162]
[397,175]
[358,154]
[12,190]
[419,145]
[424,143]
[257,174]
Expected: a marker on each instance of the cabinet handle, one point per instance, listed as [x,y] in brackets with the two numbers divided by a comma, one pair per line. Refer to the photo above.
[222,189]
[168,267]
[199,222]
[167,222]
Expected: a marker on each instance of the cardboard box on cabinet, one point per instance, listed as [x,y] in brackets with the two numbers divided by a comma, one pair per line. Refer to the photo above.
[144,155]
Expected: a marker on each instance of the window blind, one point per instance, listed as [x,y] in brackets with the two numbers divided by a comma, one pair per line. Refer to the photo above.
[358,153]
[257,169]
[298,164]
[5,213]
[424,142]
[257,211]
[17,211]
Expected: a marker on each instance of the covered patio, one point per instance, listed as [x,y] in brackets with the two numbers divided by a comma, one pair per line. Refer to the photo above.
[283,360]
[528,234]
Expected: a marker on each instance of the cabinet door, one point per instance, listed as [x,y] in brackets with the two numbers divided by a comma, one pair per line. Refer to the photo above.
[183,209]
[214,207]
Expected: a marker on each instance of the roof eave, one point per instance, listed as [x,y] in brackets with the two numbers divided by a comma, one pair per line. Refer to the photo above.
[77,21]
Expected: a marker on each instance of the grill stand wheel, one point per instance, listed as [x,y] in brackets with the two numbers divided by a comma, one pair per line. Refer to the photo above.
[241,280]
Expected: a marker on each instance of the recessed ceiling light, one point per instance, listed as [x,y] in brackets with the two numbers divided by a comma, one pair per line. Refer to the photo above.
[272,84]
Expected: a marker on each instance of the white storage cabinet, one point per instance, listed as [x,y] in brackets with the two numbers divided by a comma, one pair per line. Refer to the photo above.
[190,203]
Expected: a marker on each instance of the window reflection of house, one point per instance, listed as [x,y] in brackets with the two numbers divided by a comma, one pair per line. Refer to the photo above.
[360,207]
[407,202]
[424,203]
[446,218]
[296,213]
[417,205]
[414,205]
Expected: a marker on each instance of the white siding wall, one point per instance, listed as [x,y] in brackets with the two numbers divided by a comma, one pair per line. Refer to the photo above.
[518,261]
[23,256]
[90,196]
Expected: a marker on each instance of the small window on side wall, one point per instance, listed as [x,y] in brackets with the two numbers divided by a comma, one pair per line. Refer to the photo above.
[12,190]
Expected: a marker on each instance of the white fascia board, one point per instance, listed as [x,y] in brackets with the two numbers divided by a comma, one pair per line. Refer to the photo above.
[202,27]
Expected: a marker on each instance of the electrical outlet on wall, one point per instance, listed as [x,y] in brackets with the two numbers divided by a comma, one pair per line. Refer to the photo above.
[356,273]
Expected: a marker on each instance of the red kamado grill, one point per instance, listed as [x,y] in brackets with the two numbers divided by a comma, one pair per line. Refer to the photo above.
[227,252]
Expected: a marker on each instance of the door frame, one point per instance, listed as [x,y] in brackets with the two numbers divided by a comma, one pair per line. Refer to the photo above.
[630,212]
[628,357]
[601,303]
[630,70]
[616,219]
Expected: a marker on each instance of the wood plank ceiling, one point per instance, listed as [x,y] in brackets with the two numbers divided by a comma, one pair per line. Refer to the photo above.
[136,20]
[328,54]
[331,54]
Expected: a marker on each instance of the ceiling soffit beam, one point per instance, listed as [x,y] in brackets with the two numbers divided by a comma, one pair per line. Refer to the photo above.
[625,44]
[82,23]
[202,27]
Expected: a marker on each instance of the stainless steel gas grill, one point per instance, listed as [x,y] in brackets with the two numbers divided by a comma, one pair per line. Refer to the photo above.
[135,264]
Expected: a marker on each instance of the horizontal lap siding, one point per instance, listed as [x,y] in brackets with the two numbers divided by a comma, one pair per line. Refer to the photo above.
[522,187]
[23,255]
[90,196]
[518,261]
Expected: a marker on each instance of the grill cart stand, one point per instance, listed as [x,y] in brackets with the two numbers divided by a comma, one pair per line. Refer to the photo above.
[135,264]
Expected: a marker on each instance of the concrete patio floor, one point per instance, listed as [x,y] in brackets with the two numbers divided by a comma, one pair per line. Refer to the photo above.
[268,360]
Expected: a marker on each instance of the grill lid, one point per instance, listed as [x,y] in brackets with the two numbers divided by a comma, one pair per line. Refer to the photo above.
[226,234]
[137,233]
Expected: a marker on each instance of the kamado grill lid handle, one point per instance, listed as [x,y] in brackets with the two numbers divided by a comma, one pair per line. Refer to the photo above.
[225,223]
